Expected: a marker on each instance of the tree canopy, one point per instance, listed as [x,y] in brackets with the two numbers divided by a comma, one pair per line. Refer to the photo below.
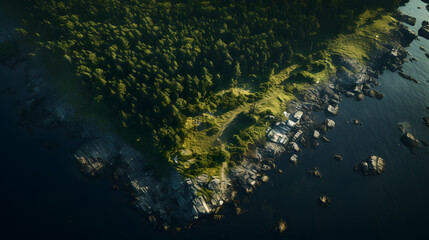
[156,62]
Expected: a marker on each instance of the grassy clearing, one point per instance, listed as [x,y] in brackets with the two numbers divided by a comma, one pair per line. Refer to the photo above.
[373,28]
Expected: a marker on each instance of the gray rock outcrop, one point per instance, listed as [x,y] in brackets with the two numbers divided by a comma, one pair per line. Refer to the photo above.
[424,30]
[324,201]
[294,146]
[409,140]
[316,134]
[315,172]
[294,159]
[330,123]
[280,226]
[373,166]
[405,18]
[333,110]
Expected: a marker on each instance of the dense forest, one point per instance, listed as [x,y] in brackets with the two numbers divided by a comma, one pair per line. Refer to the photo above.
[156,62]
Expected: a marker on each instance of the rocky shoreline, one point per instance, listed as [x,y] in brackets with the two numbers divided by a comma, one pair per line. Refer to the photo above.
[174,202]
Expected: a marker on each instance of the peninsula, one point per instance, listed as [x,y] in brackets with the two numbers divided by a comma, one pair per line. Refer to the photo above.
[191,101]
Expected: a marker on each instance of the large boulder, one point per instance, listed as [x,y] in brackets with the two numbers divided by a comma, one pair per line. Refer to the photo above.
[324,201]
[409,140]
[294,146]
[373,166]
[315,172]
[265,178]
[330,123]
[371,93]
[424,30]
[294,159]
[408,33]
[406,19]
[338,157]
[280,226]
[316,134]
[379,96]
[349,94]
[333,110]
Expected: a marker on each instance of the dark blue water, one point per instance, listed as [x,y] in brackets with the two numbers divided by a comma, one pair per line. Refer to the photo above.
[43,194]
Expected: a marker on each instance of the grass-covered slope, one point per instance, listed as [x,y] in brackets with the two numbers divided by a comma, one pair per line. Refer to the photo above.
[244,125]
[192,80]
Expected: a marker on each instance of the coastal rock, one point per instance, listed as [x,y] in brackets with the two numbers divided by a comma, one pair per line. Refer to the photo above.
[265,178]
[360,97]
[280,226]
[325,139]
[324,201]
[330,123]
[271,150]
[265,167]
[294,159]
[333,110]
[349,94]
[373,166]
[371,93]
[405,18]
[315,172]
[409,140]
[294,146]
[316,134]
[408,34]
[376,83]
[357,122]
[366,86]
[379,96]
[358,88]
[338,157]
[424,30]
[405,76]
[297,135]
[214,184]
[239,211]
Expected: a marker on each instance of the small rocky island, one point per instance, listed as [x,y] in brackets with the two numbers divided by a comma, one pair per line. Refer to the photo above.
[373,166]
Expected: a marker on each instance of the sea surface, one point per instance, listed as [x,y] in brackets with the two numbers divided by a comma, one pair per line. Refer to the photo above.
[43,195]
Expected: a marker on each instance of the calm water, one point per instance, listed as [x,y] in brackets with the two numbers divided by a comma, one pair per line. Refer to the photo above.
[43,193]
